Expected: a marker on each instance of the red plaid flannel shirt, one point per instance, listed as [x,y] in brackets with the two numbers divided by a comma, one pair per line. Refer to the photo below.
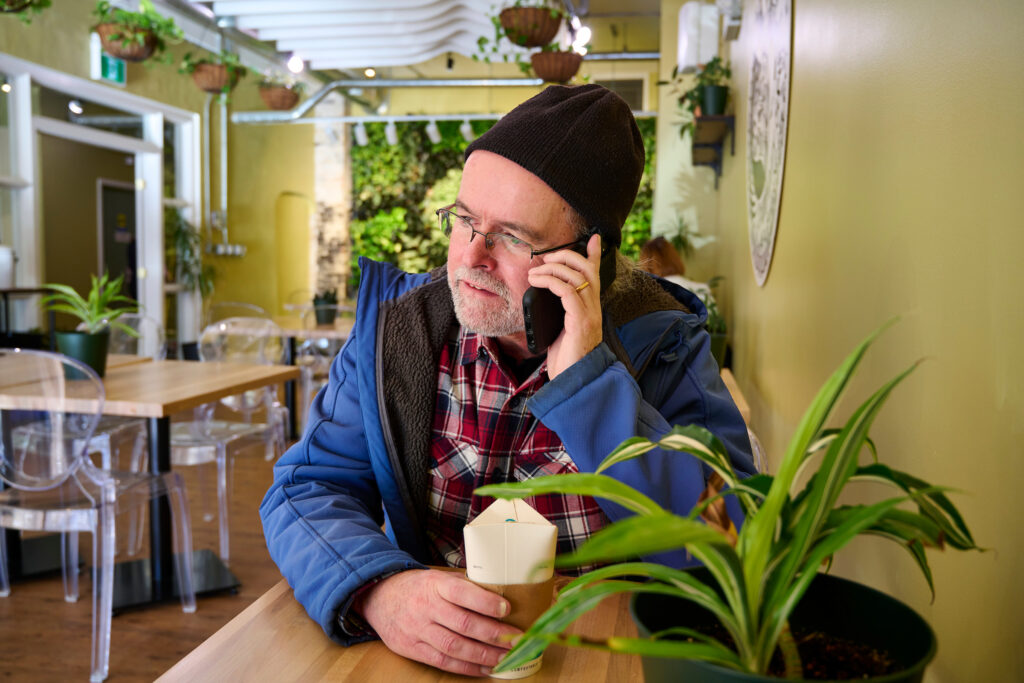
[484,434]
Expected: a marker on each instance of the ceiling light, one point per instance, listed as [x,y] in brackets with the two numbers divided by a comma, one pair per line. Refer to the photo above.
[369,72]
[362,139]
[391,133]
[6,87]
[432,132]
[467,131]
[75,107]
[579,43]
[295,64]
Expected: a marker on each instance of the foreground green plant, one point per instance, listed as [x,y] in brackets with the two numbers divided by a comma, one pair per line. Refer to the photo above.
[98,310]
[788,535]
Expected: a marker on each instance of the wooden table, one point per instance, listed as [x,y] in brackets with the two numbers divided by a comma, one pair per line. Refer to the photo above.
[275,640]
[156,390]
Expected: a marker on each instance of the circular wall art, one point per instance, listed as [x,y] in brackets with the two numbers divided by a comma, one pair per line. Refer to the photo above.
[767,120]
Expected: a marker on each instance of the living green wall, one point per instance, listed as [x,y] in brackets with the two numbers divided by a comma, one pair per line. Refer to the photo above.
[264,162]
[901,197]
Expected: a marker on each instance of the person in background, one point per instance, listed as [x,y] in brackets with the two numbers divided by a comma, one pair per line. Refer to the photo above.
[660,258]
[437,390]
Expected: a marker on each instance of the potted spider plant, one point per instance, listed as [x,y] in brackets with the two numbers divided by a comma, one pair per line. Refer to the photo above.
[25,9]
[135,36]
[280,90]
[216,74]
[760,592]
[97,312]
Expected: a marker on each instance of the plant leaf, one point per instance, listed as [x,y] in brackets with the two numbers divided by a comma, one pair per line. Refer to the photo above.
[639,536]
[758,532]
[579,483]
[930,501]
[627,450]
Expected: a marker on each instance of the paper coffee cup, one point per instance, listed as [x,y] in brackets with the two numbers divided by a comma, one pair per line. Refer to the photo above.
[510,550]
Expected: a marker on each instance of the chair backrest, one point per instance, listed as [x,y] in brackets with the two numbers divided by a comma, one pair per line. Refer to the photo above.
[221,310]
[244,340]
[63,399]
[298,301]
[150,342]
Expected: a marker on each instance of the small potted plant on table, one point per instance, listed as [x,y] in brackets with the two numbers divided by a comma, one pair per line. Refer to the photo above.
[325,306]
[89,341]
[749,596]
[216,74]
[134,36]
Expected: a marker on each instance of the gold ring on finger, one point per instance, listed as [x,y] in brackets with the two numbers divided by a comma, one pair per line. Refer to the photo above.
[586,283]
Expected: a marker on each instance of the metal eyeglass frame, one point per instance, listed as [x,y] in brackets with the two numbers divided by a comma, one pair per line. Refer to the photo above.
[446,227]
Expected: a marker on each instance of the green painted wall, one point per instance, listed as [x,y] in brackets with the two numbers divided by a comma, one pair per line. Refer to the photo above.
[901,197]
[263,163]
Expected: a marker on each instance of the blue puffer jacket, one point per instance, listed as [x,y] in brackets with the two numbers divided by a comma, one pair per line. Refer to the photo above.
[364,460]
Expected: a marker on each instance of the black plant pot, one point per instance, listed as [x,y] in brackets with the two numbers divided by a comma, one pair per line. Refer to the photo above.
[91,349]
[836,606]
[713,100]
[325,312]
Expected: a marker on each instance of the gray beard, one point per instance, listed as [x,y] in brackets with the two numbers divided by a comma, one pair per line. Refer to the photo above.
[497,321]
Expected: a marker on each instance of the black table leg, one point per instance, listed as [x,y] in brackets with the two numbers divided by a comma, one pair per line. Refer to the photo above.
[289,390]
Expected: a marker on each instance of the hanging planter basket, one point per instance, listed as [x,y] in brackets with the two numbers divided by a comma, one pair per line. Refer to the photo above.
[556,67]
[279,97]
[13,6]
[530,26]
[131,52]
[211,78]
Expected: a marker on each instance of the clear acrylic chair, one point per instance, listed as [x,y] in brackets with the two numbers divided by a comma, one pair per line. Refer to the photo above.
[222,310]
[51,485]
[313,356]
[208,438]
[149,341]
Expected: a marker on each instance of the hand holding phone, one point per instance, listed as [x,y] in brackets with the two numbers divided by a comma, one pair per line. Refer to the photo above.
[543,313]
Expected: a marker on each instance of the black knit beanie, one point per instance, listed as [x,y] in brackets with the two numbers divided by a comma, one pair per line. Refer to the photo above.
[583,142]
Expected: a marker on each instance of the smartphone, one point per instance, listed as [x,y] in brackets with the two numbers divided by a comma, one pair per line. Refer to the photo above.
[543,314]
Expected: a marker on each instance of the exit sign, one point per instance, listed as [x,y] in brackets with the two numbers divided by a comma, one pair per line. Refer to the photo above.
[103,67]
[112,69]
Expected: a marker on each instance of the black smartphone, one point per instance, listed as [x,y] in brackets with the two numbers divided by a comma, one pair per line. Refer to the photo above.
[543,314]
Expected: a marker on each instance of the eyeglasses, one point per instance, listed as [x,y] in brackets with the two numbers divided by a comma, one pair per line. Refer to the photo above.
[451,221]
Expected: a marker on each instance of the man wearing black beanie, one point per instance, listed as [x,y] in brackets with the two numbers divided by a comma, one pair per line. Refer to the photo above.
[446,384]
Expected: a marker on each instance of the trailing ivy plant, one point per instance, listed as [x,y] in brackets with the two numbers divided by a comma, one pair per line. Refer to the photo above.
[136,27]
[24,9]
[229,60]
[789,533]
